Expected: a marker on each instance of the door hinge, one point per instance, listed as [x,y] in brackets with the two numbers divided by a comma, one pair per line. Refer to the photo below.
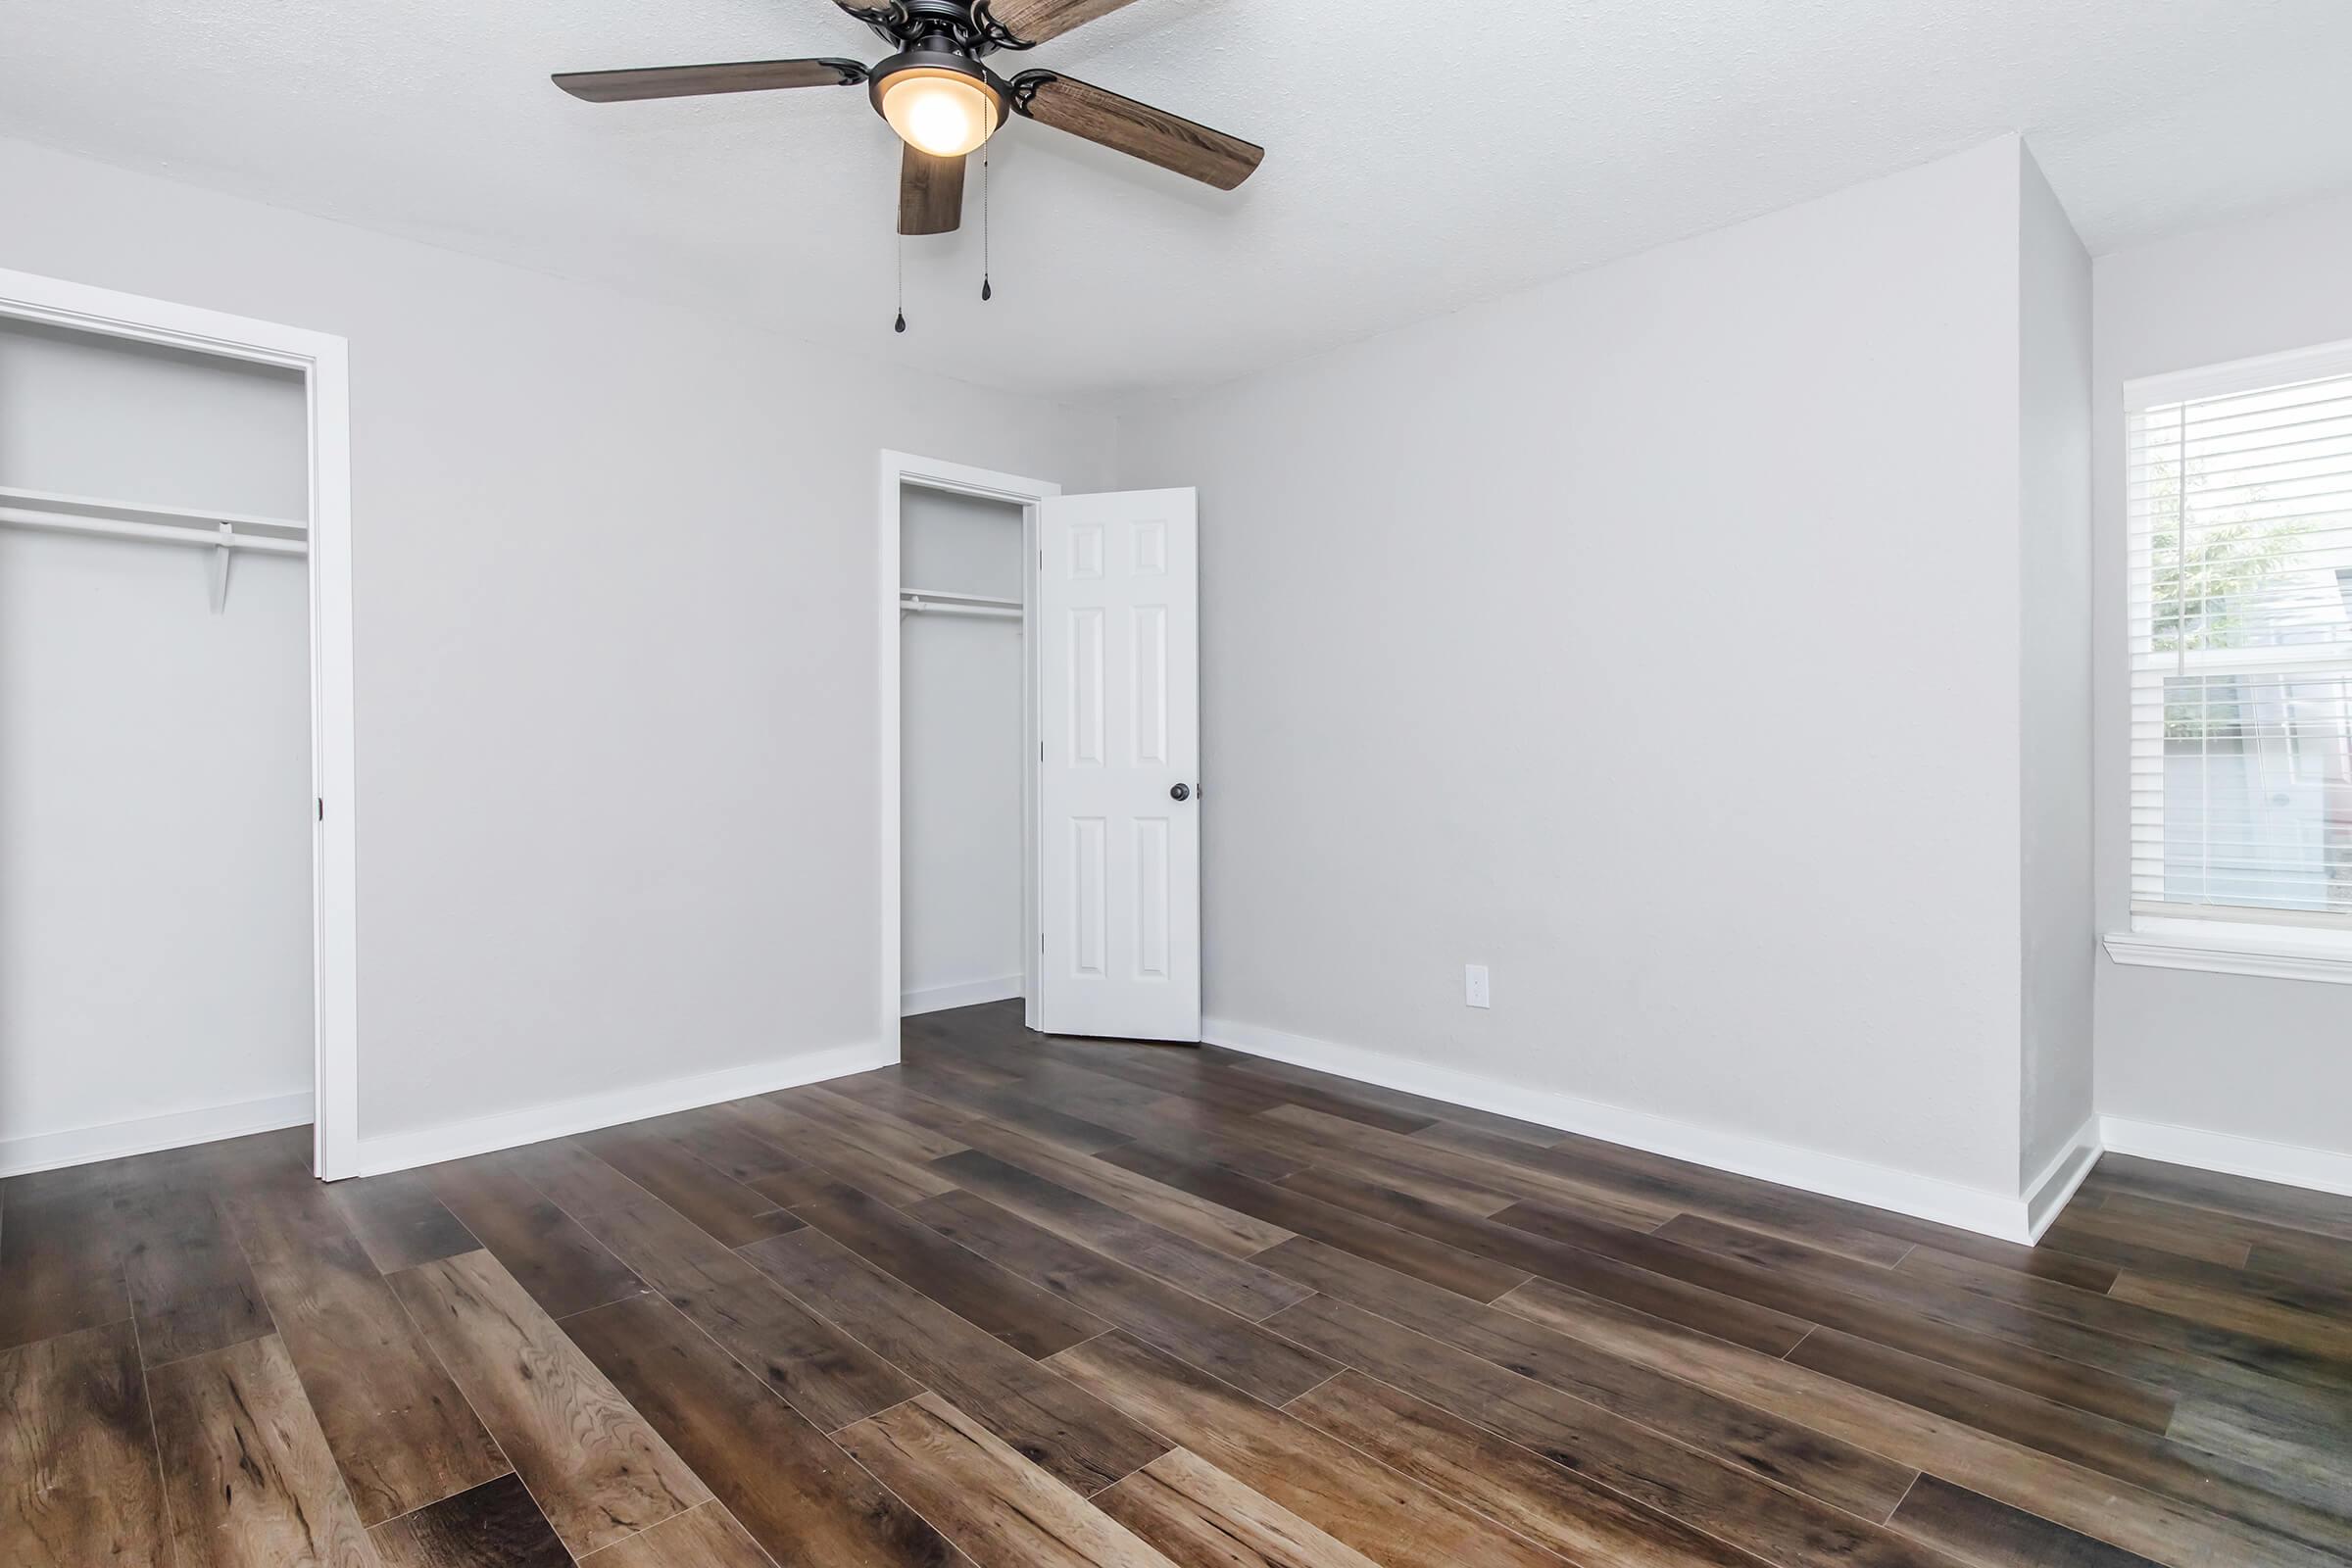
[1041,942]
[321,807]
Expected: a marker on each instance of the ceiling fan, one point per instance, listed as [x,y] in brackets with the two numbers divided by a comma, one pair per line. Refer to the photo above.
[944,104]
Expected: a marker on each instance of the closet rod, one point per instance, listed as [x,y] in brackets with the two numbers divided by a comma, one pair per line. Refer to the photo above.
[153,532]
[53,500]
[930,608]
[929,594]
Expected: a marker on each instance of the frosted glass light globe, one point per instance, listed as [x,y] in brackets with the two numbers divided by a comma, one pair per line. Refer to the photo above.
[939,112]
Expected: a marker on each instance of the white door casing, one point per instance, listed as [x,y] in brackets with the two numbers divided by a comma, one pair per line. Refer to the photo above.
[1119,712]
[324,360]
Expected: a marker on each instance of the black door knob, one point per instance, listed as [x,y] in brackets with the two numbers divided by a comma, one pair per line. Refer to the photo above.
[1182,792]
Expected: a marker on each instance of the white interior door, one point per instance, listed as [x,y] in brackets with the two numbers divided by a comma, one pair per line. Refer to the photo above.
[1119,712]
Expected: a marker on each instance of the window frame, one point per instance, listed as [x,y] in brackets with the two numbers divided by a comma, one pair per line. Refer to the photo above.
[2221,939]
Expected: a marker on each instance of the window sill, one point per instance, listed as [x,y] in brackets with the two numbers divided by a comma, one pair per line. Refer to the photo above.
[2217,947]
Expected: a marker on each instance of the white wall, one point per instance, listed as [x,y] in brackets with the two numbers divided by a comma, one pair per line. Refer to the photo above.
[616,673]
[1653,637]
[155,765]
[2055,672]
[2252,1058]
[83,413]
[962,685]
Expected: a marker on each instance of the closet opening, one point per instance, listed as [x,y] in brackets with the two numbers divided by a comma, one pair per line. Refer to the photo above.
[960,733]
[176,843]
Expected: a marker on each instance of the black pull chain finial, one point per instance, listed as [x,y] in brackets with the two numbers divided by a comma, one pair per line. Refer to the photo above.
[900,325]
[986,293]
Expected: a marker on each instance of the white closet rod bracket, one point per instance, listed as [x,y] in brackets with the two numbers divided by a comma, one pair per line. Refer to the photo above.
[221,551]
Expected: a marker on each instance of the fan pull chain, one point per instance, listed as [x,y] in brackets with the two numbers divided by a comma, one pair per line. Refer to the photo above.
[902,322]
[986,292]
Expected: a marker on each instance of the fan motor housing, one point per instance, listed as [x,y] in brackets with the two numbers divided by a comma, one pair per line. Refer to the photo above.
[966,23]
[952,11]
[935,54]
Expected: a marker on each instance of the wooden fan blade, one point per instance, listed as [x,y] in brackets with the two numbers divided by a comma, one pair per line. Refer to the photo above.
[1036,20]
[691,82]
[1137,130]
[930,193]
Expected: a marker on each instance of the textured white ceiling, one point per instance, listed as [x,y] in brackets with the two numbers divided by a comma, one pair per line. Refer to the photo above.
[1457,152]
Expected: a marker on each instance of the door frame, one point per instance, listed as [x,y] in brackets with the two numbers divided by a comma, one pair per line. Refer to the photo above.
[899,470]
[323,360]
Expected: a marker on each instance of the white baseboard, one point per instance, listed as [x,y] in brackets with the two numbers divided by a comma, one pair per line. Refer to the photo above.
[148,1135]
[2321,1169]
[2047,1194]
[1929,1198]
[971,993]
[511,1129]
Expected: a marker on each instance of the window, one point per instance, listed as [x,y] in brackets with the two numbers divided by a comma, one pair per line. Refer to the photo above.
[2238,498]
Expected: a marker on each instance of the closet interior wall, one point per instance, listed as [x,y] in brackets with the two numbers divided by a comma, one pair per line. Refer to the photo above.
[155,761]
[961,691]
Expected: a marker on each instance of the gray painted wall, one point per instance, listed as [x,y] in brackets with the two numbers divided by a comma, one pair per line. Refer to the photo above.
[155,759]
[615,575]
[2054,669]
[1641,635]
[2233,1054]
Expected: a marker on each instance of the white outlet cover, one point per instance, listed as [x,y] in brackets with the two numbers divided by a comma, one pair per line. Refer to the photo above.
[1474,991]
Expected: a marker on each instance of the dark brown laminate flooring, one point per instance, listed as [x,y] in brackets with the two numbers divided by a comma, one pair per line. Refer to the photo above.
[1023,1300]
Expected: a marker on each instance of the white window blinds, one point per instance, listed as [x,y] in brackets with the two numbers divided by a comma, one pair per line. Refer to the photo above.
[2240,506]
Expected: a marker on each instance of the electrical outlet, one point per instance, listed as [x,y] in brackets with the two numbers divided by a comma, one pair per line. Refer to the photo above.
[1474,985]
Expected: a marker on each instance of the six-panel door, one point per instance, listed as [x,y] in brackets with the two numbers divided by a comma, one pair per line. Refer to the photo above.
[1119,714]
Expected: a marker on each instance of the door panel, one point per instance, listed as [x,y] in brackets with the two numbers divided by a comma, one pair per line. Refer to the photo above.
[1119,668]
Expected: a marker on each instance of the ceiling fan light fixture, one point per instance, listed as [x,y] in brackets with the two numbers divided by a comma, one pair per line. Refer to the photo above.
[943,105]
[938,103]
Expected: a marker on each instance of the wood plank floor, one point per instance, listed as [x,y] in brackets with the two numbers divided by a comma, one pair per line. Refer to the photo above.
[1024,1300]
